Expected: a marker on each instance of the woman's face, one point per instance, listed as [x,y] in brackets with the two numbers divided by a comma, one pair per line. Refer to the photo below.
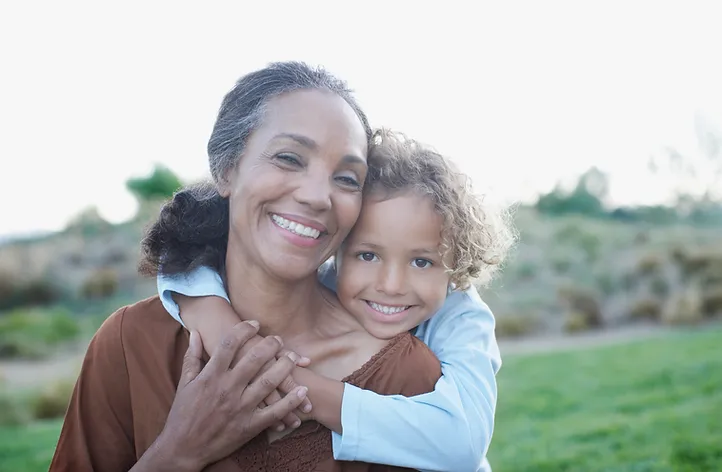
[296,191]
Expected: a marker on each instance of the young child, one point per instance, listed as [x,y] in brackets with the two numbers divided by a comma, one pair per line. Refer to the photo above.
[421,235]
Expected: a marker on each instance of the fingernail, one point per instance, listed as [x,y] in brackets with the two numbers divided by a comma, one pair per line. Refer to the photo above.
[305,359]
[278,338]
[306,408]
[294,357]
[280,428]
[254,323]
[302,392]
[296,424]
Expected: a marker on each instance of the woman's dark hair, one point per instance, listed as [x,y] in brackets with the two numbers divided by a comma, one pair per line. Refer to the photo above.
[192,228]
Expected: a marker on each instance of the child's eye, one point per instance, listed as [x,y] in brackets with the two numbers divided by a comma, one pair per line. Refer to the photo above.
[367,256]
[421,263]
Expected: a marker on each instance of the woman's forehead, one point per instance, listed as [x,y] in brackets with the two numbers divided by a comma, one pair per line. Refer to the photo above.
[320,118]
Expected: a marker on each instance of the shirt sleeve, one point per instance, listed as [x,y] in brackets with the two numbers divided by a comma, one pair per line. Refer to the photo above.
[97,434]
[200,282]
[448,429]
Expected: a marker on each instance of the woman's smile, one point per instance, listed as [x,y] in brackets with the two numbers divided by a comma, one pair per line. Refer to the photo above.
[304,234]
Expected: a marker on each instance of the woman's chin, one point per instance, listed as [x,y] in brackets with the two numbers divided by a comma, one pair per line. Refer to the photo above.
[289,267]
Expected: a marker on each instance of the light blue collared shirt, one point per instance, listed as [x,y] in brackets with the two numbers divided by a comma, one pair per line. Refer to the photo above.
[448,429]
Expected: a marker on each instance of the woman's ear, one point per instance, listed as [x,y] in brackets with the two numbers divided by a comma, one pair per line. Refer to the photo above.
[224,183]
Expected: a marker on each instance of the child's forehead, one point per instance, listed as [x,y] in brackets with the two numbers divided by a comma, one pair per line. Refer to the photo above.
[406,216]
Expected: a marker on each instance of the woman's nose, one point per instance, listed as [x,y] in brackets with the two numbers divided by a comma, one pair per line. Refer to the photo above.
[315,191]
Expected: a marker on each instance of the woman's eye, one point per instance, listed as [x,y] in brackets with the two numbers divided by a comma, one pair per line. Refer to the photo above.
[367,256]
[421,263]
[289,159]
[349,181]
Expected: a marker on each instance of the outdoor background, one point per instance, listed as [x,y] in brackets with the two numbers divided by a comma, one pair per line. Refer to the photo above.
[601,122]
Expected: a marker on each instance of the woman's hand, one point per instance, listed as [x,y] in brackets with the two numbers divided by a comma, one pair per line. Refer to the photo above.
[213,317]
[288,385]
[215,410]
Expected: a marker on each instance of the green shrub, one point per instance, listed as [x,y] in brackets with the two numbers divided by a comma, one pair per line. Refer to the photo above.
[17,294]
[582,303]
[650,264]
[630,281]
[576,322]
[515,325]
[13,412]
[526,270]
[659,286]
[32,334]
[646,308]
[102,283]
[561,265]
[606,284]
[52,402]
[712,300]
[684,308]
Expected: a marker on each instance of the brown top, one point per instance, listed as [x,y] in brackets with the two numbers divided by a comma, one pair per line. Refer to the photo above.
[128,381]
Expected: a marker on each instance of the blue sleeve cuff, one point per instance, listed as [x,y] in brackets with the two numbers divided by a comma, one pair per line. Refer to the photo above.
[346,445]
[201,282]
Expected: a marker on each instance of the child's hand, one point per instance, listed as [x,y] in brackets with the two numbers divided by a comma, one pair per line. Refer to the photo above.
[292,420]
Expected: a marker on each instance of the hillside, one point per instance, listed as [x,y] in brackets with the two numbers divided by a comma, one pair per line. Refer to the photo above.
[567,273]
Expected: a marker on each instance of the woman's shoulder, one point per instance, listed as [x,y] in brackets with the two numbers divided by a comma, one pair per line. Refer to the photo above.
[142,327]
[405,366]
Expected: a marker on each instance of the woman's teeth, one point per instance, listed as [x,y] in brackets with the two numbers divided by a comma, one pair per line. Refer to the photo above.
[296,228]
[389,310]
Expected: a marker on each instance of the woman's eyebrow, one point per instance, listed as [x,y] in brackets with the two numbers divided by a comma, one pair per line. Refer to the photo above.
[304,141]
[309,143]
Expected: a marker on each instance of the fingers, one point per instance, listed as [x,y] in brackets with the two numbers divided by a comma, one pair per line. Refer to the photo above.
[288,385]
[225,352]
[268,381]
[276,412]
[252,364]
[299,360]
[291,420]
[192,363]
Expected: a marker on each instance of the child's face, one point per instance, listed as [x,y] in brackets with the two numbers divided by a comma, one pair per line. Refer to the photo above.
[391,274]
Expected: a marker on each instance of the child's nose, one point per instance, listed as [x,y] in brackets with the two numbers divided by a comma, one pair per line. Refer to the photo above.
[392,281]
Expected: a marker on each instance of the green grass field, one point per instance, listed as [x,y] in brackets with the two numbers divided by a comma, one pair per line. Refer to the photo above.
[654,405]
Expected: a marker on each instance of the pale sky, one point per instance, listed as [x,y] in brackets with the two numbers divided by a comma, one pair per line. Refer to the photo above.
[520,94]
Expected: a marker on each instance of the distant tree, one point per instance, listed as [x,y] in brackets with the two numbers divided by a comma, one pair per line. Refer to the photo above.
[587,197]
[161,184]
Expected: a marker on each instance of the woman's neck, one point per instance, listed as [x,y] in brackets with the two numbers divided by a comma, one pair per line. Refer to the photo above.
[282,307]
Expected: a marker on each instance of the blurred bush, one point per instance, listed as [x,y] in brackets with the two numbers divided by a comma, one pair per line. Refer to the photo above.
[52,401]
[34,333]
[102,283]
[13,411]
[712,300]
[583,307]
[15,292]
[646,309]
[509,326]
[576,322]
[684,307]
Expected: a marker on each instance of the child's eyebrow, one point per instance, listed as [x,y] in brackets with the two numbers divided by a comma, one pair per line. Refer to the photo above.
[368,245]
[425,251]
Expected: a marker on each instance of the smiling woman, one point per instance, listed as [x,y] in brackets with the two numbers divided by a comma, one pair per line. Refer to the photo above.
[290,154]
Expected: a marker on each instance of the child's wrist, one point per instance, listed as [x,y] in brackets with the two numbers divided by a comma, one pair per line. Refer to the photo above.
[326,396]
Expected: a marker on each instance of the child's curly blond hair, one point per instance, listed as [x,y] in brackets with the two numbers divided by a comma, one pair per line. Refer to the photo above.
[476,237]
